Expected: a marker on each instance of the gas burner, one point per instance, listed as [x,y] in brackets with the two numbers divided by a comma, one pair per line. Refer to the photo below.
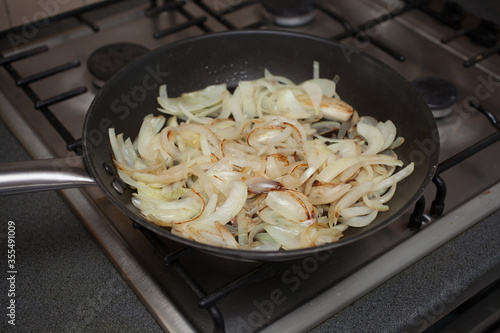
[107,60]
[439,94]
[290,13]
[486,34]
[452,15]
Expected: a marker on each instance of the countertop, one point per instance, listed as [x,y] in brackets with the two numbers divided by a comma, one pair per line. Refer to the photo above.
[64,282]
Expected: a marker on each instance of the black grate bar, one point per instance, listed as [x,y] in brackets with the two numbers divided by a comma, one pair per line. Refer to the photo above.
[359,34]
[235,7]
[231,287]
[381,19]
[60,98]
[83,20]
[187,15]
[59,17]
[475,148]
[217,318]
[154,10]
[179,27]
[214,312]
[481,56]
[437,207]
[23,55]
[417,216]
[215,14]
[177,254]
[468,152]
[389,50]
[490,116]
[346,24]
[461,33]
[56,124]
[75,146]
[61,129]
[47,73]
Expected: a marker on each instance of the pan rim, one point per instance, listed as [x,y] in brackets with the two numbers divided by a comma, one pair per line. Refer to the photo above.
[246,254]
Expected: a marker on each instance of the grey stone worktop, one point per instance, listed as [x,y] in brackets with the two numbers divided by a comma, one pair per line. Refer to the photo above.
[64,282]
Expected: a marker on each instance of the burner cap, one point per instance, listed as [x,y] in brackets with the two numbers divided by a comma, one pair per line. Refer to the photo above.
[439,94]
[107,60]
[290,13]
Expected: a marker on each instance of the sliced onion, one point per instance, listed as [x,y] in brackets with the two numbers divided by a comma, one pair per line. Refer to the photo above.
[287,236]
[325,193]
[262,185]
[374,138]
[230,208]
[338,166]
[290,107]
[388,130]
[399,176]
[328,87]
[359,221]
[335,109]
[291,204]
[254,169]
[315,94]
[192,101]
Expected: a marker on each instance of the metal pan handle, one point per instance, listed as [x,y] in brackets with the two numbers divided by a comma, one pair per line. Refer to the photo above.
[41,175]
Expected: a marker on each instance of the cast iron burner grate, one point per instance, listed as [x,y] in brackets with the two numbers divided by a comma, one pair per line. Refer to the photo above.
[485,33]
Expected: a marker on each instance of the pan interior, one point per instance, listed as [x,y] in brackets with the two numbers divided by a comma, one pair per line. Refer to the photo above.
[372,87]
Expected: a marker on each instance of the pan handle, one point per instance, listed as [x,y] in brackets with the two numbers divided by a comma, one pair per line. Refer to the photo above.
[41,175]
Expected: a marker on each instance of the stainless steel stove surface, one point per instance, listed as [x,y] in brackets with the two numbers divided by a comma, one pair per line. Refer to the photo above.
[289,296]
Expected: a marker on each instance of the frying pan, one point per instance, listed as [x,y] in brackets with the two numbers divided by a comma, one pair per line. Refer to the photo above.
[371,86]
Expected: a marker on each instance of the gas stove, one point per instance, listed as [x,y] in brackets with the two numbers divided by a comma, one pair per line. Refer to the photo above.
[48,82]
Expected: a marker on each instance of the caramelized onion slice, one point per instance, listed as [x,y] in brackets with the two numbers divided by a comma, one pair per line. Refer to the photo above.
[292,205]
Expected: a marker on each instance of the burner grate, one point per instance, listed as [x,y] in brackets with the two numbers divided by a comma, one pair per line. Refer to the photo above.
[43,105]
[359,32]
[485,33]
[437,207]
[192,21]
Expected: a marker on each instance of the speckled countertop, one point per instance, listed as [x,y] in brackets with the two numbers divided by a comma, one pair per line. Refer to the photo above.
[64,282]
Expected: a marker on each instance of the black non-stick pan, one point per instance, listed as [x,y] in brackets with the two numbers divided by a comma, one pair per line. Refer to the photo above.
[372,87]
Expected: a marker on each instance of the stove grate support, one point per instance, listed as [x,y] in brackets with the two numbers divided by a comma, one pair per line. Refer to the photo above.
[43,105]
[155,10]
[359,32]
[438,204]
[486,33]
[172,259]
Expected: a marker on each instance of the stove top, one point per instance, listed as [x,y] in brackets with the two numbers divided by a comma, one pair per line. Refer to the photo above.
[46,93]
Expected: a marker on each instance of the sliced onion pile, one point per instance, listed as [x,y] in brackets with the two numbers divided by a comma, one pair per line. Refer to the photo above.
[272,165]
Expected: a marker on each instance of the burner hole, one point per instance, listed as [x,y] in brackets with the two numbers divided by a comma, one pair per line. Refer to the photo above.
[439,94]
[109,59]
